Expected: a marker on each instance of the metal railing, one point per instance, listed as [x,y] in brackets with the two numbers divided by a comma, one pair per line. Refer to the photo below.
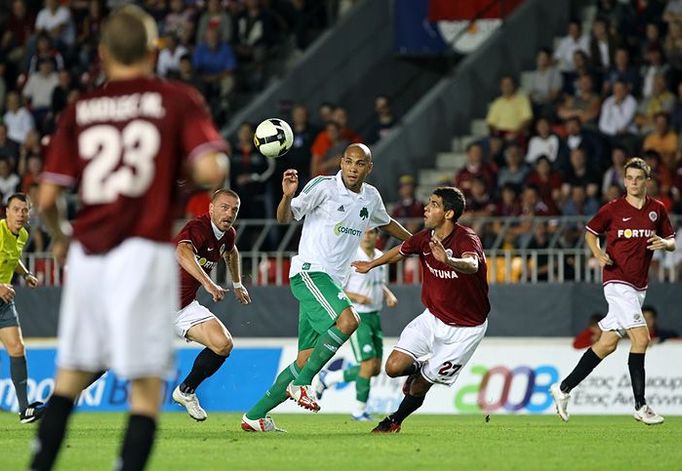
[267,247]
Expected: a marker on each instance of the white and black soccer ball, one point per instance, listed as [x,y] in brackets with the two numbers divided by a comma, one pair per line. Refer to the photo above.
[273,137]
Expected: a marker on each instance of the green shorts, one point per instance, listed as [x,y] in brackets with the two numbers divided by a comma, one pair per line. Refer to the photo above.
[8,315]
[320,302]
[368,341]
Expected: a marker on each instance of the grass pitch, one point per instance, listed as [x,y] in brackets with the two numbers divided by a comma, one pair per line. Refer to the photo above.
[336,442]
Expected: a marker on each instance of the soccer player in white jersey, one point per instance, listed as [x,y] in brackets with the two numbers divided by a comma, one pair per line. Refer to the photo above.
[337,210]
[367,292]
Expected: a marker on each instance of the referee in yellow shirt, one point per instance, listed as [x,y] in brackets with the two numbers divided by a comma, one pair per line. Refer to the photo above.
[13,238]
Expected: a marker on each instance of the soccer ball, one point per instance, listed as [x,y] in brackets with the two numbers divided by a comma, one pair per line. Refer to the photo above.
[273,138]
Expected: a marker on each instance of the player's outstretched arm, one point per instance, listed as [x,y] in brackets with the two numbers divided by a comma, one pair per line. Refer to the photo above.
[185,256]
[396,230]
[233,261]
[289,187]
[391,256]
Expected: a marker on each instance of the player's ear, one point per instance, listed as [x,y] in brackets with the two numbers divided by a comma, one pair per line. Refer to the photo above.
[450,214]
[370,167]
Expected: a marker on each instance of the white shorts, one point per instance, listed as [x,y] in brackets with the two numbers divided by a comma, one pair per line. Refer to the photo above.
[625,308]
[450,347]
[117,310]
[189,316]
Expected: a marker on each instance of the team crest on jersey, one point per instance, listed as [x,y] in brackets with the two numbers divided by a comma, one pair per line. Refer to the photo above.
[364,213]
[653,216]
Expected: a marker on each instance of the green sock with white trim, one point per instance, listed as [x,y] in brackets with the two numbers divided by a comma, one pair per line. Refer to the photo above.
[325,349]
[276,395]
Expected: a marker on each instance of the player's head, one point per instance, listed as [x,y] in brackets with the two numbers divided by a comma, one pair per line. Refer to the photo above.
[369,239]
[128,40]
[356,164]
[17,211]
[445,206]
[223,208]
[636,174]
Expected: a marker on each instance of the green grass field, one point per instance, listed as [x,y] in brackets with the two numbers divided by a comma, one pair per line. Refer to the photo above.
[335,442]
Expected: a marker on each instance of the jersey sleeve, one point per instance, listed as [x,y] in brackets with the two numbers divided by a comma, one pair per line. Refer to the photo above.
[665,228]
[199,134]
[312,195]
[61,164]
[469,244]
[412,245]
[601,221]
[193,234]
[379,216]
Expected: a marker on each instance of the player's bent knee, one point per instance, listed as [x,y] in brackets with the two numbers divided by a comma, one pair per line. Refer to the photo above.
[15,349]
[223,348]
[394,367]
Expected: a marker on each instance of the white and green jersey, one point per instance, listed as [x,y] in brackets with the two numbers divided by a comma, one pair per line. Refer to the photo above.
[370,284]
[335,219]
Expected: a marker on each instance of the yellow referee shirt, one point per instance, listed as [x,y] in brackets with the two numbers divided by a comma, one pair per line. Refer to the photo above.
[11,246]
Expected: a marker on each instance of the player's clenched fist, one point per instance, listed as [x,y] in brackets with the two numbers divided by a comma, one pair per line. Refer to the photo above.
[290,182]
[604,259]
[361,266]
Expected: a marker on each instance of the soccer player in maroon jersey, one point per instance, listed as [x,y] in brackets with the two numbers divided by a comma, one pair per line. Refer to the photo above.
[635,225]
[199,246]
[455,293]
[125,146]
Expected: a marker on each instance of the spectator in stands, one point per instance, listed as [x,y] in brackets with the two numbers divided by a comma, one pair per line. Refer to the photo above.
[179,21]
[676,115]
[614,175]
[325,113]
[251,38]
[9,181]
[544,143]
[340,116]
[215,63]
[673,11]
[169,57]
[323,141]
[657,334]
[509,204]
[44,50]
[547,181]
[38,90]
[187,74]
[653,41]
[622,69]
[659,190]
[579,203]
[30,175]
[18,30]
[662,139]
[3,86]
[602,45]
[9,150]
[612,192]
[618,112]
[30,147]
[661,174]
[17,118]
[673,48]
[474,167]
[589,334]
[515,170]
[510,114]
[581,173]
[479,203]
[328,163]
[655,66]
[383,122]
[584,104]
[215,17]
[660,101]
[38,238]
[300,154]
[573,41]
[544,85]
[540,242]
[56,21]
[408,206]
[584,66]
[250,173]
[89,31]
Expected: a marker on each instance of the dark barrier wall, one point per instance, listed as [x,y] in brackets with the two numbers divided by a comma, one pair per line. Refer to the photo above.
[553,310]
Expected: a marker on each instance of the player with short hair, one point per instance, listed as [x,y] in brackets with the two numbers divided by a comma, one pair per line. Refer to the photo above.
[367,292]
[199,246]
[13,238]
[635,225]
[337,210]
[455,293]
[125,145]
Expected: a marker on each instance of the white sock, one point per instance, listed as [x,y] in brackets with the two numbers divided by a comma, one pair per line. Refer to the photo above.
[333,377]
[360,408]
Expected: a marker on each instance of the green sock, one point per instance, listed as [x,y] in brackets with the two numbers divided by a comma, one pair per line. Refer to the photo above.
[362,388]
[276,395]
[349,374]
[326,347]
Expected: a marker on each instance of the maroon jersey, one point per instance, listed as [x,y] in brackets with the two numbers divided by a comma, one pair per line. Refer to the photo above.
[123,146]
[627,230]
[454,297]
[208,249]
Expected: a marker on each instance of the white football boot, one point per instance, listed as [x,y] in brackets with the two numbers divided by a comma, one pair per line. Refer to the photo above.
[266,424]
[191,403]
[560,401]
[647,415]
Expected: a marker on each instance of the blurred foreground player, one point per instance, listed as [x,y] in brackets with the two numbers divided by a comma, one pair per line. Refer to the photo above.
[124,145]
